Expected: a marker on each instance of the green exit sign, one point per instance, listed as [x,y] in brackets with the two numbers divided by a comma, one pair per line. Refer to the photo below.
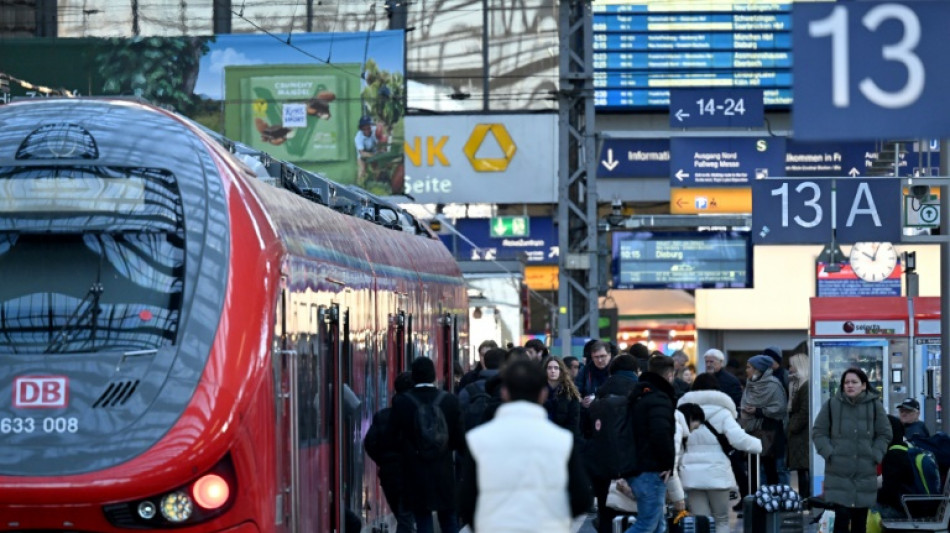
[510,227]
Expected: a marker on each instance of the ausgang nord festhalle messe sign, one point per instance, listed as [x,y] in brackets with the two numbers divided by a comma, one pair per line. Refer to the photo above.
[870,70]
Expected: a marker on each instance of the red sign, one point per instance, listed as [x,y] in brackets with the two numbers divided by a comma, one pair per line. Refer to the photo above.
[41,392]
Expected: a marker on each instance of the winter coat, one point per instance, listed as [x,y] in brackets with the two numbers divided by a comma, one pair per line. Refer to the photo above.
[653,427]
[767,395]
[524,474]
[674,485]
[852,436]
[798,422]
[564,410]
[705,466]
[430,483]
[590,378]
[730,385]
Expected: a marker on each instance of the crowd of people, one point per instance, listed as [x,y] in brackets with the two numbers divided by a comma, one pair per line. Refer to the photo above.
[526,441]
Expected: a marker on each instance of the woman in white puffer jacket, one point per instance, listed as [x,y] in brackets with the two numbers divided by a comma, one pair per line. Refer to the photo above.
[706,473]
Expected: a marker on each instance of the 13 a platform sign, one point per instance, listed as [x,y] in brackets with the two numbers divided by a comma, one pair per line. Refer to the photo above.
[802,211]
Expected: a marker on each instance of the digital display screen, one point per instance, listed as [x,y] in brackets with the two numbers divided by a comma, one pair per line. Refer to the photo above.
[681,260]
[643,48]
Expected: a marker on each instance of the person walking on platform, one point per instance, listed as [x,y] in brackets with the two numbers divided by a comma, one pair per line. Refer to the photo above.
[523,473]
[852,432]
[706,473]
[798,421]
[386,454]
[428,424]
[654,430]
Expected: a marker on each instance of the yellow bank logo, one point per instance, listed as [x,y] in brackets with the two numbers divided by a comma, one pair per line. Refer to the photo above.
[434,149]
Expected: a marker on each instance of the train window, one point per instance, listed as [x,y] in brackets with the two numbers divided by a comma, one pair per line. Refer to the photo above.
[101,268]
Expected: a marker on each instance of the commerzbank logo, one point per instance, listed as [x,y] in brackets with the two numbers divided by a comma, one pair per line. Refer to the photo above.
[478,138]
[485,138]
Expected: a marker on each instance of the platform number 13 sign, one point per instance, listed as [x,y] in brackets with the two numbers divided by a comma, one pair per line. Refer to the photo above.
[870,69]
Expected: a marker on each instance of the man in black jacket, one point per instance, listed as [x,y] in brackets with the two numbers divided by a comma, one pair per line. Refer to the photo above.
[622,381]
[430,476]
[654,429]
[386,454]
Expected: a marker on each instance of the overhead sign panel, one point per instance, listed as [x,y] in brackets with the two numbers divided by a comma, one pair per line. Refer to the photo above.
[716,108]
[634,158]
[802,211]
[875,70]
[725,161]
[643,49]
[481,241]
[681,260]
[696,201]
[809,160]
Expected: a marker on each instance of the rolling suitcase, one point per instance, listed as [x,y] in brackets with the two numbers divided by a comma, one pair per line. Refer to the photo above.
[691,524]
[753,516]
[622,522]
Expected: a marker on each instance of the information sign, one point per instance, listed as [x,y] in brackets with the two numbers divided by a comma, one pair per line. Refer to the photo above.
[716,108]
[725,161]
[478,244]
[644,48]
[634,158]
[801,211]
[812,160]
[875,70]
[685,260]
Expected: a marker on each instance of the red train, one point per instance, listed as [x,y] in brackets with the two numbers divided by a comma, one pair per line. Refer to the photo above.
[190,344]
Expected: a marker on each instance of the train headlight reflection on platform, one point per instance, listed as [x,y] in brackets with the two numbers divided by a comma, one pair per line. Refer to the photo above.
[177,507]
[147,510]
[211,491]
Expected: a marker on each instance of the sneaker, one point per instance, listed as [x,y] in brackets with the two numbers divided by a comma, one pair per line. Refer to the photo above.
[733,495]
[737,507]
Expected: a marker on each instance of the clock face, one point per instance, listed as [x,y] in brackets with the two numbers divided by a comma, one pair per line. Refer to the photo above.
[873,261]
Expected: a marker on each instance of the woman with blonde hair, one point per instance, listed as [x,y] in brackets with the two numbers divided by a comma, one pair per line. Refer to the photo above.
[798,422]
[564,401]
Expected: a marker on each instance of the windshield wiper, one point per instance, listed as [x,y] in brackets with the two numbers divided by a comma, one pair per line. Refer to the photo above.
[91,303]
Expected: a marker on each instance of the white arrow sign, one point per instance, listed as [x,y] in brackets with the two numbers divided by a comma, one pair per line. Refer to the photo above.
[610,163]
[680,174]
[853,172]
[680,114]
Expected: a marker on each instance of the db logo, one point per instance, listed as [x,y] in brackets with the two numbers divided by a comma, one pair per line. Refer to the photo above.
[40,391]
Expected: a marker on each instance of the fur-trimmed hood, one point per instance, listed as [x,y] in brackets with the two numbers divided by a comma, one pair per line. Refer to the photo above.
[706,398]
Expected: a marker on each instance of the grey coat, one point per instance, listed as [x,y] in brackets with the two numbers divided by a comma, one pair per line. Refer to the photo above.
[852,436]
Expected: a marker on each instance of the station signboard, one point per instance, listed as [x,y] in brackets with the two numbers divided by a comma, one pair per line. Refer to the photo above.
[725,161]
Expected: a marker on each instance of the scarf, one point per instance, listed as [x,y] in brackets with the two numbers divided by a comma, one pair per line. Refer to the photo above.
[766,393]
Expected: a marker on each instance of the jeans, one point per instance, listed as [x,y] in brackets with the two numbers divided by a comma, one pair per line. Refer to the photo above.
[448,522]
[784,477]
[650,490]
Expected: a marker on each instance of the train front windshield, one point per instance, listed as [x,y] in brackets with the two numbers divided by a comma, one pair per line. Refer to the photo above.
[91,259]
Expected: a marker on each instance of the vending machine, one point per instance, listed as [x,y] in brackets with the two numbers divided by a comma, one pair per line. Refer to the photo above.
[925,369]
[870,333]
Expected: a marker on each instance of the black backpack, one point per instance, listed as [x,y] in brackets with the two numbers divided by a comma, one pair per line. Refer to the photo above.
[430,427]
[611,451]
[477,406]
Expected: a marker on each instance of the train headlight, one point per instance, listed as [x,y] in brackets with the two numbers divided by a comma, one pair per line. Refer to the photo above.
[177,507]
[211,491]
[147,510]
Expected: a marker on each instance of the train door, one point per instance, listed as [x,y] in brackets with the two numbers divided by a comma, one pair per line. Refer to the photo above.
[284,359]
[345,404]
[448,351]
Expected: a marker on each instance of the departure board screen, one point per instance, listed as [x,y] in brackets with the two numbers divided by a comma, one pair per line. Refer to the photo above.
[643,48]
[681,260]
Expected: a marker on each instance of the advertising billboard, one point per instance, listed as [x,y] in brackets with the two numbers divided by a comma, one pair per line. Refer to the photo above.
[482,158]
[301,99]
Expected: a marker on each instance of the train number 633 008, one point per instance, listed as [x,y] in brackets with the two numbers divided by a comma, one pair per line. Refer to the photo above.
[46,425]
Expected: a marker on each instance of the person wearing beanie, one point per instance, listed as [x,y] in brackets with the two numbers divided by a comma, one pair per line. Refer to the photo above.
[763,411]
